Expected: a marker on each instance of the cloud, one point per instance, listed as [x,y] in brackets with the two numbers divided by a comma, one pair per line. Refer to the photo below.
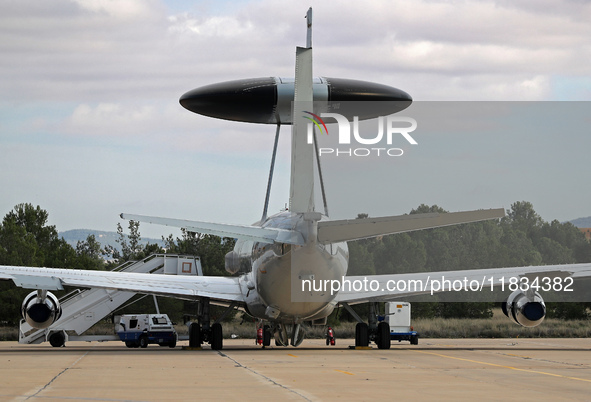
[121,9]
[120,66]
[104,51]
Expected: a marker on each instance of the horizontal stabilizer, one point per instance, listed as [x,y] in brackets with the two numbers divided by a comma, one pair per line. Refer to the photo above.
[254,233]
[355,229]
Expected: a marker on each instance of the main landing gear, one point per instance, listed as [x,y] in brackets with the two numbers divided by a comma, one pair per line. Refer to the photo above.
[203,331]
[371,331]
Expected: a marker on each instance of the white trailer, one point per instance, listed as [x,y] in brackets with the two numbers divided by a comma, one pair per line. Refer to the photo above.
[398,317]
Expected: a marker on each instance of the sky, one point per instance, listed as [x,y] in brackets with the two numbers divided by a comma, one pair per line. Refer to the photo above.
[90,124]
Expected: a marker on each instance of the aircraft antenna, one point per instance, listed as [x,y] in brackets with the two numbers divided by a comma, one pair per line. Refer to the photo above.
[309,32]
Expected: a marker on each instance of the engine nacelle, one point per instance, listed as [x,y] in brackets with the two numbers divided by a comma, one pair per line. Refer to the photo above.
[41,309]
[523,311]
[232,260]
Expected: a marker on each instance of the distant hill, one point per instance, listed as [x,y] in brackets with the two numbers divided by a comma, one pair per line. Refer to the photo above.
[582,222]
[72,237]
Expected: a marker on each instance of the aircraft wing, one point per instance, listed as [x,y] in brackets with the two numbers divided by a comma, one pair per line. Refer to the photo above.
[254,233]
[397,286]
[214,287]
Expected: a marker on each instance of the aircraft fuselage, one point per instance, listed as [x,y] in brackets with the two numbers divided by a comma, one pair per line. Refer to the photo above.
[272,274]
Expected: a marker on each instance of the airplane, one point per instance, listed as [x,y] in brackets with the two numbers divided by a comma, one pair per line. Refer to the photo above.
[275,258]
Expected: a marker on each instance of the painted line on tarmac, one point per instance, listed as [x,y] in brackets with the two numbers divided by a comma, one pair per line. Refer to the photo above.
[502,366]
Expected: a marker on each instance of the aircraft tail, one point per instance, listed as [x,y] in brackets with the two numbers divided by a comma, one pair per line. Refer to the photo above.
[301,196]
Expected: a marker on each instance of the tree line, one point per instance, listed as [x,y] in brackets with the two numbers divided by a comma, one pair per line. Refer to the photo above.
[26,239]
[521,238]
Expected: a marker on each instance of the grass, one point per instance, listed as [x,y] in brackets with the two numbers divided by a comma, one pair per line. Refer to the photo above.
[498,326]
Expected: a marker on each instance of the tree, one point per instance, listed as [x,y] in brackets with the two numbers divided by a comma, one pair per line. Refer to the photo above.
[523,217]
[425,209]
[26,239]
[211,249]
[399,254]
[17,246]
[90,254]
[131,248]
[360,260]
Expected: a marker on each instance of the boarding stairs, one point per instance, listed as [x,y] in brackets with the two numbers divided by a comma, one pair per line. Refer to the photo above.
[82,308]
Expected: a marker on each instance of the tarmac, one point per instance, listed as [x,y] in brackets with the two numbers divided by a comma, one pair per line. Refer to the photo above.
[442,369]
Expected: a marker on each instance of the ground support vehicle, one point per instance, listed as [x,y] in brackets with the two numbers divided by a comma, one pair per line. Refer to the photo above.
[398,317]
[140,330]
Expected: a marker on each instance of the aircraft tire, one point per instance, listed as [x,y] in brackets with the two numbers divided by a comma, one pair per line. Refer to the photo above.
[57,339]
[194,335]
[217,337]
[383,335]
[266,335]
[361,334]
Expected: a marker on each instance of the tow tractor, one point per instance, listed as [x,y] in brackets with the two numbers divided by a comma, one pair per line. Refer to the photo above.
[398,317]
[140,330]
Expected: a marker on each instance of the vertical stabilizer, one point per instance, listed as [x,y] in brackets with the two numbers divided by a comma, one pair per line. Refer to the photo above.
[301,197]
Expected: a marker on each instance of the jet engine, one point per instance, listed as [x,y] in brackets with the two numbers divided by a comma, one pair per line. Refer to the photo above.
[523,309]
[41,309]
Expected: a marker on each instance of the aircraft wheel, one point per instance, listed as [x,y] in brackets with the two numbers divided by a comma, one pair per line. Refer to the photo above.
[143,341]
[194,335]
[266,335]
[383,336]
[361,334]
[57,339]
[217,337]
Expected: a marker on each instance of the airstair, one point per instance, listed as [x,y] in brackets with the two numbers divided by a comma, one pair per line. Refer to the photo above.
[82,308]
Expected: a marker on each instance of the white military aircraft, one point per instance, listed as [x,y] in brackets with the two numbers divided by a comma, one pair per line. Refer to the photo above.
[291,267]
